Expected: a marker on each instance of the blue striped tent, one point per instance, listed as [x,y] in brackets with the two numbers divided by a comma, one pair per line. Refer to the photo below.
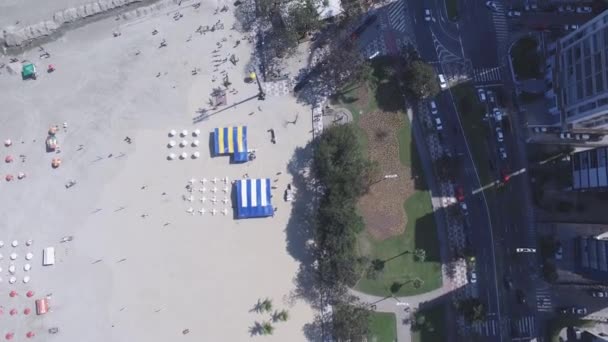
[231,140]
[253,198]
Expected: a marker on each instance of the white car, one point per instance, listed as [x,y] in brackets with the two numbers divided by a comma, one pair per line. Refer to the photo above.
[513,14]
[442,82]
[491,5]
[464,208]
[427,15]
[570,27]
[438,124]
[565,136]
[499,136]
[539,129]
[532,7]
[583,9]
[433,107]
[502,153]
[482,94]
[473,277]
[565,9]
[497,115]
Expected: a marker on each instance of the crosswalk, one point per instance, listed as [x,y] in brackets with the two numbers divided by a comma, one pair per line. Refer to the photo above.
[485,75]
[524,327]
[486,328]
[543,300]
[500,26]
[396,15]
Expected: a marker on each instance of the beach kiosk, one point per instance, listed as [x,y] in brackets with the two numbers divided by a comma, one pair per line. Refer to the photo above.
[233,141]
[42,306]
[253,198]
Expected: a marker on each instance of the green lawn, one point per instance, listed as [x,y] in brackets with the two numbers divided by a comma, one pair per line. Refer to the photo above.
[452,9]
[420,231]
[382,327]
[471,113]
[434,332]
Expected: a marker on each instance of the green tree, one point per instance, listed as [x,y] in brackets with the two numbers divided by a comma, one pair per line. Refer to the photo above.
[420,254]
[417,283]
[350,321]
[421,80]
[281,316]
[303,17]
[267,328]
[266,305]
[472,309]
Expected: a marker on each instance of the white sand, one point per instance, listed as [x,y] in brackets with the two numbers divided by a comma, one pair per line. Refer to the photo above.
[203,273]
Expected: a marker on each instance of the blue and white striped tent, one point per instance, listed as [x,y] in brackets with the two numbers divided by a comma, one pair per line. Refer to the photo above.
[253,198]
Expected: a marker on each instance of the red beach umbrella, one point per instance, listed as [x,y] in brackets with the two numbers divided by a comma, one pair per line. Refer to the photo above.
[13,312]
[9,336]
[27,311]
[8,159]
[9,177]
[30,294]
[56,162]
[13,293]
[30,334]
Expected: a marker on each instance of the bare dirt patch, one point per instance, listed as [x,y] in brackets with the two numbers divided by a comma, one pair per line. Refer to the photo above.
[382,207]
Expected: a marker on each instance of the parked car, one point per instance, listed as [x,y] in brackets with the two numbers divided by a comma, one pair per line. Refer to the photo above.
[539,129]
[505,175]
[473,276]
[565,136]
[502,153]
[565,9]
[570,27]
[459,193]
[482,94]
[583,9]
[442,82]
[438,124]
[491,5]
[575,310]
[513,14]
[433,107]
[531,7]
[582,136]
[497,114]
[599,294]
[499,136]
[491,96]
[464,209]
[559,252]
[427,15]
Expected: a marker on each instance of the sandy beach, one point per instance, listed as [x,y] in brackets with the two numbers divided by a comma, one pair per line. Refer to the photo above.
[140,267]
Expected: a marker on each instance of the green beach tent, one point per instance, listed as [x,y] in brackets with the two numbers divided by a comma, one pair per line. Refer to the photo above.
[28,71]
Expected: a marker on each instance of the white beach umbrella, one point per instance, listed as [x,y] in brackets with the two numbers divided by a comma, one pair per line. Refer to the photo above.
[171,143]
[1,243]
[27,267]
[15,243]
[29,242]
[184,155]
[26,279]
[184,133]
[172,133]
[195,143]
[195,155]
[196,132]
[13,256]
[184,143]
[11,269]
[171,156]
[12,280]
[8,142]
[29,256]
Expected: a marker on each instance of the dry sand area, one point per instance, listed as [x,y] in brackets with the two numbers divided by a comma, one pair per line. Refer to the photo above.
[140,268]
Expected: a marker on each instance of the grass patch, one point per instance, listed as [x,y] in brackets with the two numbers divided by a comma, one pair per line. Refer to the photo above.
[400,266]
[405,144]
[526,60]
[451,7]
[475,129]
[382,327]
[436,318]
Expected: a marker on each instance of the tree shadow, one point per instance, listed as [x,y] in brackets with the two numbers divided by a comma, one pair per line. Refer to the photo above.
[385,75]
[416,167]
[256,329]
[426,237]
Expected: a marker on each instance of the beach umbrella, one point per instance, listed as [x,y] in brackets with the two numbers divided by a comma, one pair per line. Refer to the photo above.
[29,242]
[15,243]
[13,294]
[27,267]
[13,256]
[30,334]
[195,155]
[196,132]
[1,256]
[27,311]
[184,155]
[1,243]
[8,159]
[13,312]
[183,143]
[9,336]
[172,133]
[195,143]
[9,177]
[29,294]
[12,280]
[26,279]
[56,162]
[29,256]
[171,156]
[8,142]
[184,133]
[21,175]
[171,143]
[11,269]
[53,130]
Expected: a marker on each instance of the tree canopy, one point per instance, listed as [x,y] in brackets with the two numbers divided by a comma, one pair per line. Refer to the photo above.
[351,321]
[420,80]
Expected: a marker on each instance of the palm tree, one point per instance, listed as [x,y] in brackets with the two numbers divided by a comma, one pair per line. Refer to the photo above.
[267,328]
[267,305]
[282,316]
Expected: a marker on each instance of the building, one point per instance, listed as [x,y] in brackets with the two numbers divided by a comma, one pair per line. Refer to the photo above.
[590,169]
[577,74]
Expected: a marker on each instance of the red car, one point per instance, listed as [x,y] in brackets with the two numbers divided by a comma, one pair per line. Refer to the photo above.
[459,192]
[504,175]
